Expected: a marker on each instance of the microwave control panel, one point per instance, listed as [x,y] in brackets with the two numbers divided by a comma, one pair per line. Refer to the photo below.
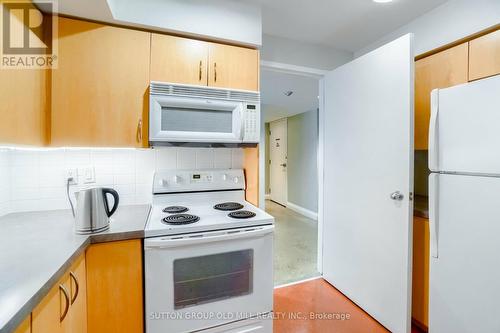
[251,121]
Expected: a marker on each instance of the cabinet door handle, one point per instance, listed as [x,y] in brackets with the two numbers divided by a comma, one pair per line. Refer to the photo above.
[139,131]
[199,71]
[215,72]
[77,285]
[66,306]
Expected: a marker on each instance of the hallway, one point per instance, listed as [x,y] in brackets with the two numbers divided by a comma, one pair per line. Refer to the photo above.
[295,245]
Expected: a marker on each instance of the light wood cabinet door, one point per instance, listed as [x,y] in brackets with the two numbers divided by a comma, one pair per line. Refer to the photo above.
[53,313]
[420,283]
[233,67]
[100,88]
[78,296]
[114,287]
[441,70]
[484,53]
[23,107]
[25,326]
[178,60]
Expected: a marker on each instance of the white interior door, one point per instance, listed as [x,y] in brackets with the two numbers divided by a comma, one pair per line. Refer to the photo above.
[368,180]
[278,157]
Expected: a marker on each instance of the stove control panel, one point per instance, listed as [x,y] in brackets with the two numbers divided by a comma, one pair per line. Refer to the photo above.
[198,180]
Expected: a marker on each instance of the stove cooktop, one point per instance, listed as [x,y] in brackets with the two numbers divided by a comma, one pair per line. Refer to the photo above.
[199,213]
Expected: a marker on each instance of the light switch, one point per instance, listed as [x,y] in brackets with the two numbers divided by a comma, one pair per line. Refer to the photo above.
[87,174]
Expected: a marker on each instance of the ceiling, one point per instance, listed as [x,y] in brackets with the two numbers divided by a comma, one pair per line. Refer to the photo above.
[343,24]
[276,105]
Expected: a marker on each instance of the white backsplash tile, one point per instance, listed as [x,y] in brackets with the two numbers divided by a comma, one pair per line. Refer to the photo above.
[186,158]
[36,179]
[166,158]
[223,158]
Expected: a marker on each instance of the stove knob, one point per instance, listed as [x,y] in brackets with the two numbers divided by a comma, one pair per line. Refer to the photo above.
[176,179]
[224,176]
[163,182]
[236,180]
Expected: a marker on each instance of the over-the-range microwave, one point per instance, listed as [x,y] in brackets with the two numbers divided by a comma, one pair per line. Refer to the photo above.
[187,114]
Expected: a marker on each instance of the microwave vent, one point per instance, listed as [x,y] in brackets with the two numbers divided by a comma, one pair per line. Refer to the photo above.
[160,88]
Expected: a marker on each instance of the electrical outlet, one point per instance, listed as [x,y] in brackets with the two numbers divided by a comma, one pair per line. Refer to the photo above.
[72,173]
[87,174]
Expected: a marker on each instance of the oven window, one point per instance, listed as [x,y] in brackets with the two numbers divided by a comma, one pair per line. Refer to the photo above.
[196,120]
[212,277]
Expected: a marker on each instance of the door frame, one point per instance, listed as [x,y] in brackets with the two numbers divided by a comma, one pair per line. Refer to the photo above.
[285,121]
[317,74]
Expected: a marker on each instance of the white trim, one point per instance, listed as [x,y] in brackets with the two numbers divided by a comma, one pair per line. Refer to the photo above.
[300,281]
[292,69]
[321,153]
[303,211]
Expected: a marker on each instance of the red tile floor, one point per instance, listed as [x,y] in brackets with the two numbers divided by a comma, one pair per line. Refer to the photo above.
[293,305]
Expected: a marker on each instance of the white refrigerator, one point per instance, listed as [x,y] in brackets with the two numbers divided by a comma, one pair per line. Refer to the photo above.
[464,208]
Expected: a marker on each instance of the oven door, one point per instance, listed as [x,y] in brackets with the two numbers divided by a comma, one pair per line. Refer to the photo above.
[201,280]
[189,119]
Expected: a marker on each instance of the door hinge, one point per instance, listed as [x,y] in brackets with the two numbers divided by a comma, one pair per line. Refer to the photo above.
[411,196]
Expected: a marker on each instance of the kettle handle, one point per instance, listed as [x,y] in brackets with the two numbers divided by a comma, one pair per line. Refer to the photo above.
[115,195]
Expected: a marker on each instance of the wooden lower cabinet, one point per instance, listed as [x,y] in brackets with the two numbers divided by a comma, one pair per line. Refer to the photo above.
[78,296]
[114,287]
[64,309]
[25,326]
[53,313]
[420,285]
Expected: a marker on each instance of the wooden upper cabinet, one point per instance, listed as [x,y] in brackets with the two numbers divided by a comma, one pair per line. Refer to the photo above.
[178,60]
[484,53]
[114,287]
[100,88]
[233,67]
[441,70]
[23,107]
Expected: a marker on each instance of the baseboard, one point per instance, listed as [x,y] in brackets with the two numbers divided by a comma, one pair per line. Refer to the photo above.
[303,211]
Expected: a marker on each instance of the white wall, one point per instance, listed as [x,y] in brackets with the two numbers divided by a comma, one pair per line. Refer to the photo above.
[445,24]
[297,53]
[38,176]
[225,20]
[4,181]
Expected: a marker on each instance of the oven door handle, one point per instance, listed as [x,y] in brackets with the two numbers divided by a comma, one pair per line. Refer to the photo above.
[194,239]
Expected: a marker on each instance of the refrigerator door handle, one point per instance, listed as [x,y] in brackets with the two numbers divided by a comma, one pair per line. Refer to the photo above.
[433,213]
[433,132]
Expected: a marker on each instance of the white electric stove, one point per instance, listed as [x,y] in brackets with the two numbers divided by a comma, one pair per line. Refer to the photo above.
[208,253]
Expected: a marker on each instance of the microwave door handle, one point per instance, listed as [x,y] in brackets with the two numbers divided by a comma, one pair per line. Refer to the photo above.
[201,239]
[242,121]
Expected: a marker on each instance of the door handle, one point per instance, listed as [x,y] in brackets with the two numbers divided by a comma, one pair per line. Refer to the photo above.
[199,71]
[77,287]
[397,196]
[66,299]
[139,131]
[283,165]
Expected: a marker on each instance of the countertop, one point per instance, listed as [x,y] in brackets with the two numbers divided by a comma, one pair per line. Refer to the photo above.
[37,248]
[421,206]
